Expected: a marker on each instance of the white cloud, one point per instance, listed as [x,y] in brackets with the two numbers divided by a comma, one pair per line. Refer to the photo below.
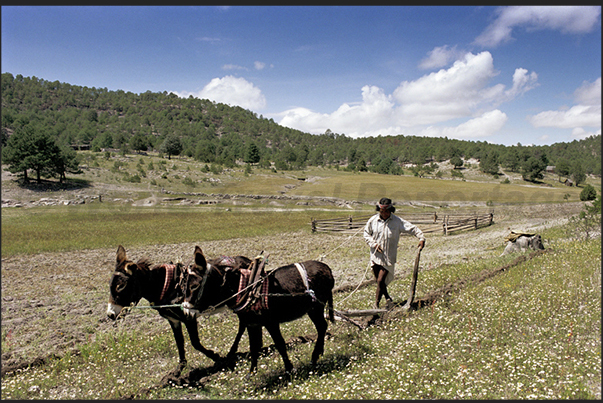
[232,91]
[576,116]
[580,134]
[522,82]
[566,19]
[589,93]
[259,65]
[483,126]
[439,57]
[587,113]
[460,92]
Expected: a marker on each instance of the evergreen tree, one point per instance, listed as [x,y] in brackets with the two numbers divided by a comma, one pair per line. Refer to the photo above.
[456,161]
[253,154]
[578,174]
[171,146]
[533,168]
[34,149]
[588,193]
[489,163]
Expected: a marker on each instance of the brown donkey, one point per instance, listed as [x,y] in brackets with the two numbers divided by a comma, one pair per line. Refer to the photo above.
[160,285]
[287,293]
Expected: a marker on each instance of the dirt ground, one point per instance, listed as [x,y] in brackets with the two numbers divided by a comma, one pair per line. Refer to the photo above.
[51,302]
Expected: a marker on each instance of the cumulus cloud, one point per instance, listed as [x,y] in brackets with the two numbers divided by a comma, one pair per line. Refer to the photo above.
[439,57]
[587,112]
[461,92]
[369,118]
[522,82]
[482,126]
[580,134]
[259,65]
[589,93]
[566,19]
[232,91]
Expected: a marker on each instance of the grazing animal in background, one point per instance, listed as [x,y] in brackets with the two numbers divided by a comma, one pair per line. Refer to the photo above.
[160,285]
[521,241]
[285,294]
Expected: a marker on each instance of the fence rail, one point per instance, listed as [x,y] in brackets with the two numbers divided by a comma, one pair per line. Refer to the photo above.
[428,222]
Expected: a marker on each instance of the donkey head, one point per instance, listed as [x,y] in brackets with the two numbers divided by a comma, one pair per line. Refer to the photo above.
[196,279]
[125,288]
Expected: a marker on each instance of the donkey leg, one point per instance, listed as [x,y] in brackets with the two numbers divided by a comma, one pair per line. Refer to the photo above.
[255,345]
[178,336]
[275,332]
[235,344]
[193,333]
[317,316]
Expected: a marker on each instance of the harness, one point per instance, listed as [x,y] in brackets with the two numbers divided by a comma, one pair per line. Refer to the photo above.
[246,302]
[169,276]
[253,289]
[304,275]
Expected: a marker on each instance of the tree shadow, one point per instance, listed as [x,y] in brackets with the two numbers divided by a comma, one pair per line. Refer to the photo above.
[46,185]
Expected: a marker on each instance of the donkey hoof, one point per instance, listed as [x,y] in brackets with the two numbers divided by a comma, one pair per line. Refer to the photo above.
[215,357]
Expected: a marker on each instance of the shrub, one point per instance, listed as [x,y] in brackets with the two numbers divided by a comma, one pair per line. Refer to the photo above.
[588,193]
[189,182]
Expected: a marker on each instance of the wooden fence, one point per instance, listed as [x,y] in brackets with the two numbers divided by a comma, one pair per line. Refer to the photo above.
[427,222]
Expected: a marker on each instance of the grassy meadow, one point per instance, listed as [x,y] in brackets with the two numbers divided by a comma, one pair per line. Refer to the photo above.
[59,229]
[531,332]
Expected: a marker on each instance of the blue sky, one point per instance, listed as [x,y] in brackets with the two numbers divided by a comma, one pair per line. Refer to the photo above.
[498,74]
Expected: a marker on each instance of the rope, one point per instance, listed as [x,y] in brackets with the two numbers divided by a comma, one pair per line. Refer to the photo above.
[321,257]
[157,306]
[358,286]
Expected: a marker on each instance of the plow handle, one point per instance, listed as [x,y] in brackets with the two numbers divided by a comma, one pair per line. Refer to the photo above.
[413,282]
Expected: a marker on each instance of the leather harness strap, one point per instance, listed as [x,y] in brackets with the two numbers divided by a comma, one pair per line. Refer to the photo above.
[304,275]
[169,274]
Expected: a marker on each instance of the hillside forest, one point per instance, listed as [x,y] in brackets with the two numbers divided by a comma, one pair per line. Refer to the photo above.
[44,122]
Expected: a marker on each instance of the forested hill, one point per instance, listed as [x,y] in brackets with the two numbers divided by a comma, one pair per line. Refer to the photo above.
[221,134]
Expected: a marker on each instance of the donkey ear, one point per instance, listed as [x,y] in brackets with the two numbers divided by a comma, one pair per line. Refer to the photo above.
[121,254]
[199,257]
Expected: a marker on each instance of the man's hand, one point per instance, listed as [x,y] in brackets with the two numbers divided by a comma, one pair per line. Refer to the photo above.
[379,249]
[421,244]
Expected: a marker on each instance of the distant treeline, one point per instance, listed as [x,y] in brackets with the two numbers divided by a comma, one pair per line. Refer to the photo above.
[220,134]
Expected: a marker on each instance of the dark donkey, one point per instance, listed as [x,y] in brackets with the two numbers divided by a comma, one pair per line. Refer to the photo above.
[288,293]
[160,285]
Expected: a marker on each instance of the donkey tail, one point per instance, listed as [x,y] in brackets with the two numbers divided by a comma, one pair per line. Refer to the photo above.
[330,307]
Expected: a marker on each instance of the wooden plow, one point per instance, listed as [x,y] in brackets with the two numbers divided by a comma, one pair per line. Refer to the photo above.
[346,316]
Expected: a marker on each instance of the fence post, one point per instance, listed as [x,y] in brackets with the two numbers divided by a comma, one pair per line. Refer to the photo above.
[350,222]
[435,217]
[313,225]
[475,220]
[445,225]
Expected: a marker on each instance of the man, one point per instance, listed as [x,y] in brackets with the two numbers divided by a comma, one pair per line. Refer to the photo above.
[382,233]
